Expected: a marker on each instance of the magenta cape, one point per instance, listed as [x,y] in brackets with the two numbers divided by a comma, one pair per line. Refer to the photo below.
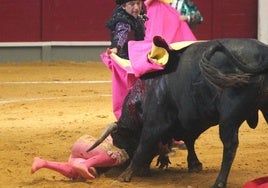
[125,73]
[257,183]
[165,21]
[123,79]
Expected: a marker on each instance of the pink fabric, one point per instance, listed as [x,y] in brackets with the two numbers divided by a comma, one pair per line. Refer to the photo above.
[122,80]
[257,183]
[138,51]
[163,21]
[98,157]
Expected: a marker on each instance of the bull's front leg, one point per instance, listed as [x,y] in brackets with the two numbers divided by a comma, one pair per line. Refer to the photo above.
[147,149]
[126,176]
[159,114]
[133,170]
[140,164]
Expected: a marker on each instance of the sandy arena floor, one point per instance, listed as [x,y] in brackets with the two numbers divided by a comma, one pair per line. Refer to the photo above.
[45,107]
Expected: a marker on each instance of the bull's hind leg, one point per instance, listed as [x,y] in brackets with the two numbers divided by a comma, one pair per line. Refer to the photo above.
[229,138]
[233,112]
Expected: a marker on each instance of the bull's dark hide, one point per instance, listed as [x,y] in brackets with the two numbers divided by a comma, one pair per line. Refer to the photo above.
[220,82]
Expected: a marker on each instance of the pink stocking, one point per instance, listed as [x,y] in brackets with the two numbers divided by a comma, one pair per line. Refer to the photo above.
[60,167]
[101,160]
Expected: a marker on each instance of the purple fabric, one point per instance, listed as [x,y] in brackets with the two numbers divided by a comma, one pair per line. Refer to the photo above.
[121,32]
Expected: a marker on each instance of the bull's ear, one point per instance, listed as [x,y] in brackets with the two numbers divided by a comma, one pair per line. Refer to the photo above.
[158,55]
[160,42]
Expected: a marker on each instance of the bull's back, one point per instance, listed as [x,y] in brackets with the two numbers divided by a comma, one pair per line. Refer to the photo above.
[192,93]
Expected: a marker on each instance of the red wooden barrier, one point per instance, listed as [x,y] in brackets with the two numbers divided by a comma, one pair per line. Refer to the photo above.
[83,20]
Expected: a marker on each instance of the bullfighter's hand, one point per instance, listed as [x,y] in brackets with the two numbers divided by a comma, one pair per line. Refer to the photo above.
[108,52]
[114,50]
[163,161]
[184,18]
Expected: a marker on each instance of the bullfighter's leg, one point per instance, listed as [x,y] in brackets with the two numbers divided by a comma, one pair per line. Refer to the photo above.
[64,168]
[179,144]
[85,168]
[103,156]
[82,163]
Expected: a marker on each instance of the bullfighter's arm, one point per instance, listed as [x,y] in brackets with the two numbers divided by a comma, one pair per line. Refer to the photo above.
[163,159]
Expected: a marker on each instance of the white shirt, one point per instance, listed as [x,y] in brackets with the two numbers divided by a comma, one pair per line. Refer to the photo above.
[177,4]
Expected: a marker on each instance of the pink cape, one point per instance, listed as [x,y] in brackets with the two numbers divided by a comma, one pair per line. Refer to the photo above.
[122,80]
[257,183]
[163,21]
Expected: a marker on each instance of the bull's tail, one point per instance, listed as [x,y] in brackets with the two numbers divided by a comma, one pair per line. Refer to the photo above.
[215,76]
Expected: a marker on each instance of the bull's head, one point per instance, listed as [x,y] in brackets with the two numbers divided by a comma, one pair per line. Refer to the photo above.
[126,139]
[127,131]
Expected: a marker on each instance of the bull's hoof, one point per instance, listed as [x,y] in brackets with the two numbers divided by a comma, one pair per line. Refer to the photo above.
[125,177]
[197,167]
[128,173]
[219,185]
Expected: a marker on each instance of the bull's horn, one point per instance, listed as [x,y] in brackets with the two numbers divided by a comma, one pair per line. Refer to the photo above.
[104,135]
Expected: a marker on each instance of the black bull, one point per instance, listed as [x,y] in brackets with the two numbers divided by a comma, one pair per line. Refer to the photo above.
[219,82]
